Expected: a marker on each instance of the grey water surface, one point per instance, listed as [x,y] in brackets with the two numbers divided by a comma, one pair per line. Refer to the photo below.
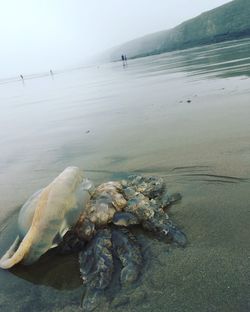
[182,115]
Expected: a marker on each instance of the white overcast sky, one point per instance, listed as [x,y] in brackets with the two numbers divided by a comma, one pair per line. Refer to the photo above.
[37,35]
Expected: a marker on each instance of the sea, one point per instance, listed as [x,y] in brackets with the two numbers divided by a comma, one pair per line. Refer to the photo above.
[183,116]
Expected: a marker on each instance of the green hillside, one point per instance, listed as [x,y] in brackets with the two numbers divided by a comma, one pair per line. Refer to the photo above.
[227,22]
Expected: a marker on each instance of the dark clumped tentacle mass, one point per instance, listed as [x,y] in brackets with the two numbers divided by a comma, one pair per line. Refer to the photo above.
[126,248]
[165,229]
[96,267]
[139,201]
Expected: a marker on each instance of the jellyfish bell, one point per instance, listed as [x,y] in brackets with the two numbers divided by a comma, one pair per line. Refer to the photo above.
[47,215]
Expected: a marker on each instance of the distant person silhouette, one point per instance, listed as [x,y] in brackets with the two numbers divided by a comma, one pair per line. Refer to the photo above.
[123,60]
[51,74]
[22,79]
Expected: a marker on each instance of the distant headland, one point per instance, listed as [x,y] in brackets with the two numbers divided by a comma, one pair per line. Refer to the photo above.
[227,22]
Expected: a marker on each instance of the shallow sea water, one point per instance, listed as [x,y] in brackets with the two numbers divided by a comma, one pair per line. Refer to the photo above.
[183,116]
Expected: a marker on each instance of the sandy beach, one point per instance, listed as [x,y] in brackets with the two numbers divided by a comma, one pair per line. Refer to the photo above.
[161,115]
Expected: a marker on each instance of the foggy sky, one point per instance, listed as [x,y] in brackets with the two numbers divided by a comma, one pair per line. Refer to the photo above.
[37,35]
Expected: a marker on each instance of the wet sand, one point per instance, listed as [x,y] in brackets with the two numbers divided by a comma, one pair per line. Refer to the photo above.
[193,131]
